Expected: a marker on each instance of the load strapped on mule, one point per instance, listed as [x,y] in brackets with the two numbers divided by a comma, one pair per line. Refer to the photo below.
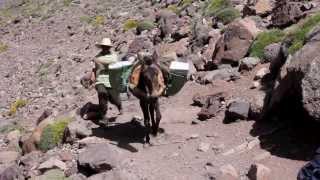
[171,79]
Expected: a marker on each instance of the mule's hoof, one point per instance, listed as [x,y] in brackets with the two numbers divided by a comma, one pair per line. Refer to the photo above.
[147,145]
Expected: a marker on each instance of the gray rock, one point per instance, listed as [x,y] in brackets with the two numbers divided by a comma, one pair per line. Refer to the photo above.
[287,12]
[228,172]
[261,73]
[200,33]
[271,52]
[204,147]
[12,172]
[140,43]
[198,62]
[236,41]
[300,82]
[167,22]
[7,157]
[314,35]
[32,159]
[79,129]
[259,172]
[220,74]
[53,174]
[238,109]
[52,163]
[78,177]
[13,137]
[209,52]
[114,175]
[99,158]
[210,104]
[247,64]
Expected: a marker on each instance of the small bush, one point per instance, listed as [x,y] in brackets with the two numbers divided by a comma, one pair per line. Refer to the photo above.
[264,39]
[85,19]
[298,35]
[130,24]
[98,20]
[216,5]
[11,127]
[227,15]
[67,2]
[53,133]
[174,8]
[3,47]
[145,25]
[19,103]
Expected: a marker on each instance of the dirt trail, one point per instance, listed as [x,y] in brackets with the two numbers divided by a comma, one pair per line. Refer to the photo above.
[175,155]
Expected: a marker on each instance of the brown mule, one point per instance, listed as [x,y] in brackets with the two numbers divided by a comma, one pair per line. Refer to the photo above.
[149,86]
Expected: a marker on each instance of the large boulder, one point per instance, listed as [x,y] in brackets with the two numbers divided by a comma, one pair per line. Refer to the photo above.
[7,157]
[289,12]
[138,44]
[248,63]
[236,41]
[300,84]
[98,158]
[167,21]
[272,52]
[215,36]
[210,104]
[200,33]
[11,172]
[226,74]
[237,109]
[53,174]
[259,7]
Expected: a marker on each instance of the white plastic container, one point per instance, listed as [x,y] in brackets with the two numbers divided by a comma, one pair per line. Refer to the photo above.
[178,77]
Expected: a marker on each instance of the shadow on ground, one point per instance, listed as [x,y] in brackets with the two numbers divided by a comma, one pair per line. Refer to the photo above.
[122,133]
[293,139]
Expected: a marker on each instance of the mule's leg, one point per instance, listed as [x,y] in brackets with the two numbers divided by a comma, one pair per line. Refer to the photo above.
[158,115]
[152,110]
[145,111]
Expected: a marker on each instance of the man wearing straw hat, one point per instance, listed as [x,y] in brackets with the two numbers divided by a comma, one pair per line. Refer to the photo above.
[100,76]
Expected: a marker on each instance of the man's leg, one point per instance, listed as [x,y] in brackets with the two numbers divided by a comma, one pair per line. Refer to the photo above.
[114,98]
[103,99]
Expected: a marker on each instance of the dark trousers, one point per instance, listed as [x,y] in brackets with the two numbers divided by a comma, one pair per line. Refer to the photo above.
[106,95]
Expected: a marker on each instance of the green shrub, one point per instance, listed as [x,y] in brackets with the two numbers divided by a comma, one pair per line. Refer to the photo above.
[264,39]
[11,127]
[298,35]
[53,133]
[3,47]
[214,6]
[130,24]
[85,19]
[178,8]
[145,25]
[19,103]
[227,15]
[174,8]
[98,20]
[67,2]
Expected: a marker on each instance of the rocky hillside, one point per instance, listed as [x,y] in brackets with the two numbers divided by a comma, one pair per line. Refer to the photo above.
[249,111]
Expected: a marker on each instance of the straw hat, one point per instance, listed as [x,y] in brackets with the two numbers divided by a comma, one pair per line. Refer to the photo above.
[105,42]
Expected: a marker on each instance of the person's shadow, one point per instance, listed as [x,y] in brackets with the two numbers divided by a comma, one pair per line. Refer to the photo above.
[123,133]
